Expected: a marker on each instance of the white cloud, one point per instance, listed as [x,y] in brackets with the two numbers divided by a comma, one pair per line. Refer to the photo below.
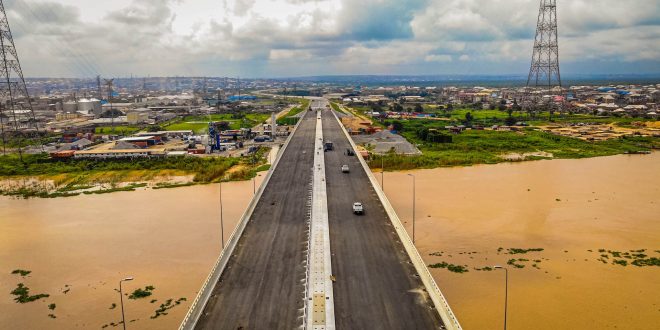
[438,58]
[275,37]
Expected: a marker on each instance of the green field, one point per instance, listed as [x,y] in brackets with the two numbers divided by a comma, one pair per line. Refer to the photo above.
[120,130]
[287,119]
[336,107]
[200,124]
[73,175]
[487,147]
[304,104]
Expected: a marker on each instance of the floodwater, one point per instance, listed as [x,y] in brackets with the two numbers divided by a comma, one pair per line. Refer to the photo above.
[167,238]
[170,238]
[566,207]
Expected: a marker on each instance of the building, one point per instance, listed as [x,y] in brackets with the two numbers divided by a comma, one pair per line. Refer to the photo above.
[138,116]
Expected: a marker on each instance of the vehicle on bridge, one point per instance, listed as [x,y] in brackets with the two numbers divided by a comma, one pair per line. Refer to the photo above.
[345,169]
[328,146]
[358,208]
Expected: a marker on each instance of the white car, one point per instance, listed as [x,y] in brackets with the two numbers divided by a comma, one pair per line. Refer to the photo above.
[345,169]
[358,208]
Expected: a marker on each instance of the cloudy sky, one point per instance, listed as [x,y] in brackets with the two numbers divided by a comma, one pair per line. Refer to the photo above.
[285,38]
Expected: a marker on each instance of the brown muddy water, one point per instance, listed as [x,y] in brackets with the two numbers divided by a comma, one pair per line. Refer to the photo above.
[566,207]
[168,238]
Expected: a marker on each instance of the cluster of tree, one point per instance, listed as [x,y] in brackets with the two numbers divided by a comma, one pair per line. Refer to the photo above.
[395,125]
[433,135]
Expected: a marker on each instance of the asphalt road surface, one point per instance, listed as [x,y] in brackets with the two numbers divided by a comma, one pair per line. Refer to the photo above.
[263,284]
[376,285]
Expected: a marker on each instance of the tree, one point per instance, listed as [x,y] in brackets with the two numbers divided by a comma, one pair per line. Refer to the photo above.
[397,126]
[469,117]
[419,108]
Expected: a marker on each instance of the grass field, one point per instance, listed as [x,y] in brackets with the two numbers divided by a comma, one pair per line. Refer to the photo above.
[488,147]
[200,124]
[336,107]
[304,104]
[71,176]
[288,118]
[120,130]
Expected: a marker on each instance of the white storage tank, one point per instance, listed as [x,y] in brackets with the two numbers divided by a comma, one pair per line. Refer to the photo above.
[89,106]
[70,106]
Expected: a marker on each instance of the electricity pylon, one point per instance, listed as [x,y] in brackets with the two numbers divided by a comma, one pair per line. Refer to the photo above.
[14,95]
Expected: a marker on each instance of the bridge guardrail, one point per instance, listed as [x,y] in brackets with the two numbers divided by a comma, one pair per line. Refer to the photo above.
[198,305]
[439,301]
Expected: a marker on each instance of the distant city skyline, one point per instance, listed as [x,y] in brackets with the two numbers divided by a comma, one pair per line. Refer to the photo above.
[290,38]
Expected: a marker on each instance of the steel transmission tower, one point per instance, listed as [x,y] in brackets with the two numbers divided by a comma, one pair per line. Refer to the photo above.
[14,95]
[545,58]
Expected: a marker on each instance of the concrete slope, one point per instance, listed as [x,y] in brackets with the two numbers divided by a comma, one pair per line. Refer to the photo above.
[376,285]
[263,285]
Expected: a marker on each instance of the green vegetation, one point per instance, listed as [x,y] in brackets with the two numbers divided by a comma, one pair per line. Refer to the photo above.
[653,261]
[142,293]
[488,147]
[130,187]
[22,272]
[336,107]
[523,251]
[166,306]
[165,185]
[74,177]
[440,148]
[23,296]
[289,119]
[262,168]
[35,165]
[113,306]
[52,306]
[450,267]
[638,258]
[200,124]
[52,316]
[118,130]
[513,263]
[485,269]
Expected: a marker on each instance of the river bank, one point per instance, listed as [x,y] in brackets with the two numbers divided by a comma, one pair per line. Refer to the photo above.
[41,177]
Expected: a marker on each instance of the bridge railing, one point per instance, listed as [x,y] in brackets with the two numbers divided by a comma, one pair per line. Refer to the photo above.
[198,305]
[442,306]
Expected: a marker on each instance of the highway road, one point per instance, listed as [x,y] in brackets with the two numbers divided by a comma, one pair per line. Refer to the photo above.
[263,285]
[376,285]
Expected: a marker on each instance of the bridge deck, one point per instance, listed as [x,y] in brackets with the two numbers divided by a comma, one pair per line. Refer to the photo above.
[376,286]
[263,285]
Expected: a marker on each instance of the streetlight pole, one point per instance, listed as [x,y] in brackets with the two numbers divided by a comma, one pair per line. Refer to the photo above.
[382,173]
[413,235]
[222,223]
[506,290]
[121,299]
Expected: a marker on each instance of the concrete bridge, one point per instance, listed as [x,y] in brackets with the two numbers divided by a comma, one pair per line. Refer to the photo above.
[300,258]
